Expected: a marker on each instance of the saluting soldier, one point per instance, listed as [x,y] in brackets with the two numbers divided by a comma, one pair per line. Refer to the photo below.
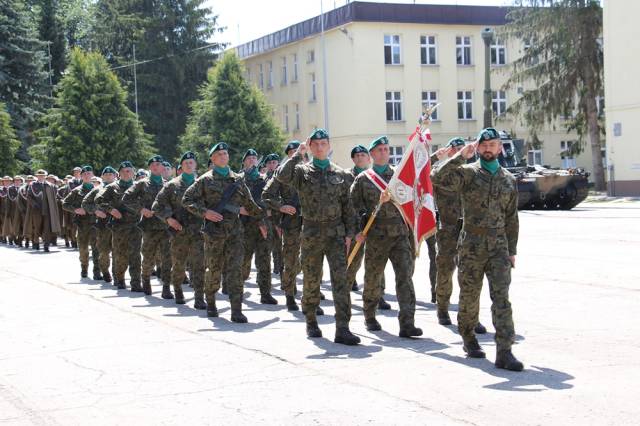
[220,197]
[327,229]
[488,241]
[187,244]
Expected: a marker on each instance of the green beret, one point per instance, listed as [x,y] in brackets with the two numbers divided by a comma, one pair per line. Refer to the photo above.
[141,172]
[272,157]
[488,134]
[358,149]
[319,134]
[125,164]
[292,145]
[155,159]
[220,146]
[109,169]
[166,164]
[187,156]
[250,153]
[456,142]
[87,168]
[382,140]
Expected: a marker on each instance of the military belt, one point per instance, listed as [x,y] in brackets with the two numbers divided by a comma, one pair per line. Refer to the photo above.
[480,230]
[322,224]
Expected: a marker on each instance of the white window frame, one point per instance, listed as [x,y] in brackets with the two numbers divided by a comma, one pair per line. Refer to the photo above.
[392,42]
[297,110]
[311,56]
[396,153]
[393,98]
[499,102]
[261,76]
[295,68]
[314,95]
[430,99]
[285,117]
[568,160]
[463,50]
[465,98]
[270,75]
[498,53]
[534,154]
[428,50]
[284,71]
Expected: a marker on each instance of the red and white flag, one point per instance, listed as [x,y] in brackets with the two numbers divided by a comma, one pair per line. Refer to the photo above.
[411,187]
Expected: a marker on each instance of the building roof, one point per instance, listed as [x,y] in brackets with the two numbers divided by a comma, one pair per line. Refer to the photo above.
[377,12]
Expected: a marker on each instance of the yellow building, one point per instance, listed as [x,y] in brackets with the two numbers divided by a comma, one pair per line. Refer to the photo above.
[383,62]
[622,91]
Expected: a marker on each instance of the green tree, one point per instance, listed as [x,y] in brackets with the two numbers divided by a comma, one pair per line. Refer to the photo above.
[23,82]
[563,65]
[231,110]
[171,41]
[9,145]
[90,123]
[52,32]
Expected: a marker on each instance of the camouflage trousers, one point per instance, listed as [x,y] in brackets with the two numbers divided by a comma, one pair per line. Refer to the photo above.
[353,269]
[156,243]
[314,247]
[275,241]
[433,269]
[126,244]
[103,240]
[86,239]
[254,243]
[188,247]
[224,254]
[447,250]
[399,250]
[479,256]
[290,259]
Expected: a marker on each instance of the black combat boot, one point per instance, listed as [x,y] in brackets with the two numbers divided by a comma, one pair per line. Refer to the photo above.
[506,360]
[166,292]
[106,277]
[97,275]
[372,324]
[321,296]
[199,302]
[354,286]
[83,271]
[236,313]
[146,287]
[433,297]
[344,336]
[46,247]
[74,244]
[383,305]
[177,289]
[410,330]
[212,310]
[313,330]
[35,246]
[66,243]
[137,288]
[473,349]
[319,311]
[443,317]
[26,243]
[121,285]
[291,304]
[480,329]
[268,299]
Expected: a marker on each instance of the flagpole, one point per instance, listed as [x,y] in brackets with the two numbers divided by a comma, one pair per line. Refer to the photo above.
[365,231]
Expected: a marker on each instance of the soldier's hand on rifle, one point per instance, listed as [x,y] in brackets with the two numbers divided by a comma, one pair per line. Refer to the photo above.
[213,216]
[263,231]
[360,237]
[101,214]
[286,209]
[80,211]
[385,197]
[146,212]
[468,151]
[174,224]
[116,213]
[244,212]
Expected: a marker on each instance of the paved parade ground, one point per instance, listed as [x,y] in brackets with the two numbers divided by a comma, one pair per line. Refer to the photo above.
[81,352]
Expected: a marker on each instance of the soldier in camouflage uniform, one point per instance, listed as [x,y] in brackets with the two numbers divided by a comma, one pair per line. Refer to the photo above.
[255,232]
[220,197]
[327,229]
[155,237]
[127,238]
[85,222]
[284,199]
[271,163]
[388,239]
[186,241]
[487,244]
[103,231]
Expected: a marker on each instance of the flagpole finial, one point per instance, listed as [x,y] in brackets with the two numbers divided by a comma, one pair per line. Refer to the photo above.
[425,118]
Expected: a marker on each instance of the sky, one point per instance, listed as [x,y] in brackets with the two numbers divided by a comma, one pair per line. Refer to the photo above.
[247,20]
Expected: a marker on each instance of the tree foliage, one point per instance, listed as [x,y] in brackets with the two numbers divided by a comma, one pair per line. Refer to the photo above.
[9,145]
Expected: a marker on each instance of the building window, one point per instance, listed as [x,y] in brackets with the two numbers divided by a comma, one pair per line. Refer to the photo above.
[270,75]
[465,106]
[396,155]
[534,157]
[311,56]
[261,76]
[463,50]
[428,50]
[394,106]
[434,148]
[295,67]
[392,49]
[285,118]
[430,99]
[600,105]
[297,110]
[499,102]
[567,155]
[313,87]
[498,53]
[284,71]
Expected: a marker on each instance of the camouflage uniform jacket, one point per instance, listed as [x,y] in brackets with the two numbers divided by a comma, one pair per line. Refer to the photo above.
[448,202]
[111,198]
[74,201]
[90,206]
[168,204]
[142,195]
[276,195]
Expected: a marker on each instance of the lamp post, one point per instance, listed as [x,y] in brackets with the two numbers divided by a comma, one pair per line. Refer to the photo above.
[487,37]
